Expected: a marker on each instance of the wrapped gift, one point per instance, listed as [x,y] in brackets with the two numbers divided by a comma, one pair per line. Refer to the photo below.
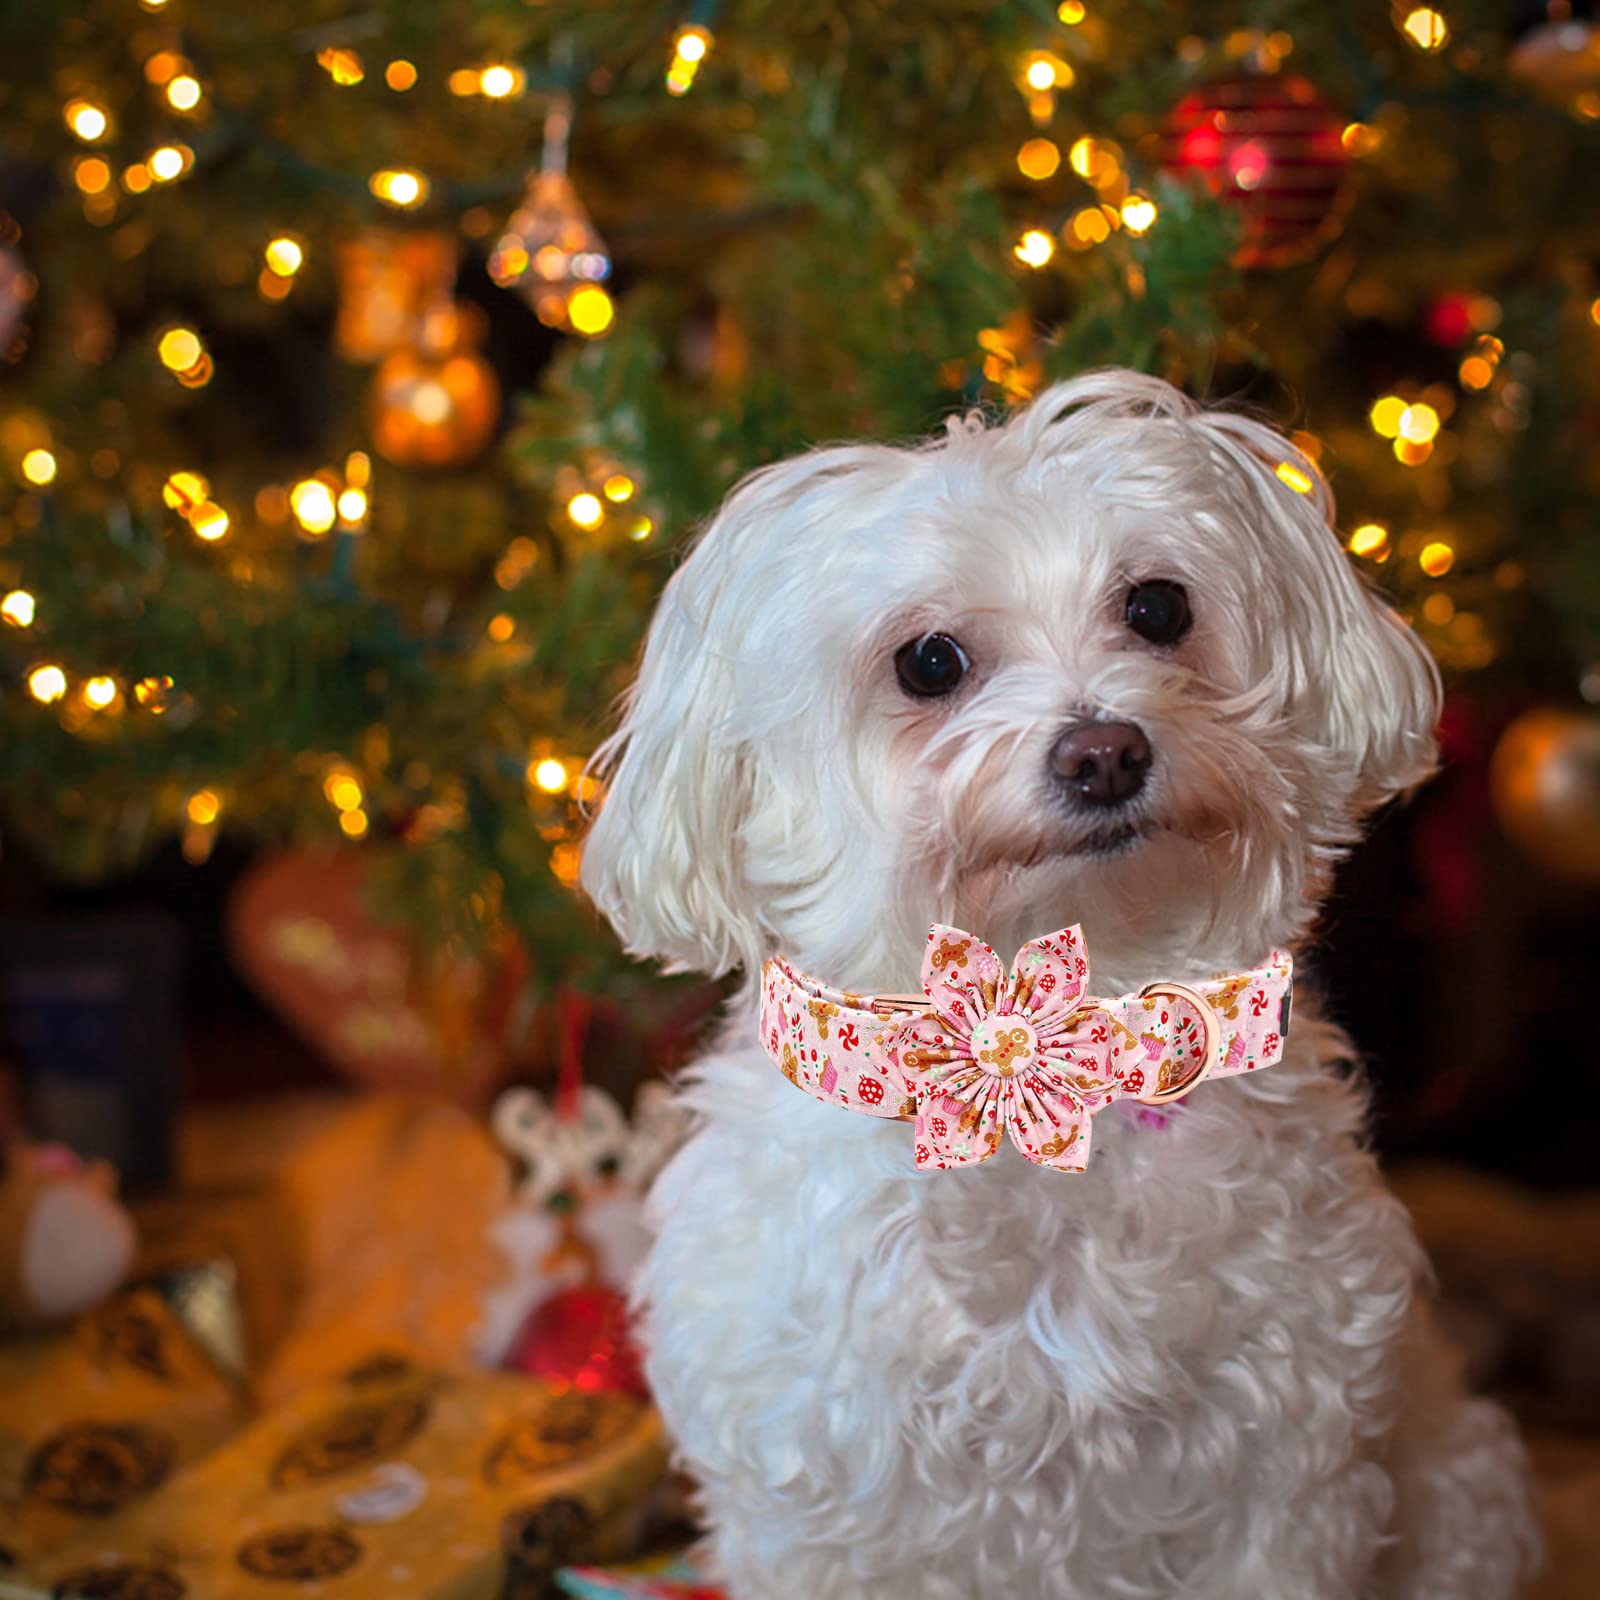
[97,1416]
[395,1480]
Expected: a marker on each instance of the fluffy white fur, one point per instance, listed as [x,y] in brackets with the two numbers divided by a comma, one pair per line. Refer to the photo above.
[1204,1368]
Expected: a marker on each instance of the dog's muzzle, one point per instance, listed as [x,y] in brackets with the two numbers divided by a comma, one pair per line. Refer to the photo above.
[982,1052]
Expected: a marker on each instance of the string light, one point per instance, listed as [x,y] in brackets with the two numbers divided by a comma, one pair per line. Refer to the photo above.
[399,187]
[641,528]
[91,175]
[87,120]
[18,608]
[1436,559]
[353,824]
[183,92]
[183,491]
[1090,226]
[1139,213]
[1072,12]
[586,510]
[203,807]
[343,789]
[618,488]
[550,775]
[1369,539]
[342,65]
[100,692]
[499,81]
[1034,249]
[169,161]
[590,310]
[1426,29]
[1039,159]
[136,178]
[312,502]
[209,521]
[501,626]
[352,507]
[39,467]
[690,47]
[400,75]
[1385,415]
[47,683]
[284,257]
[1418,423]
[185,357]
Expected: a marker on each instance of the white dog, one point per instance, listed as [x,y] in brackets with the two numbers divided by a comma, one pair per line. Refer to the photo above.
[1096,664]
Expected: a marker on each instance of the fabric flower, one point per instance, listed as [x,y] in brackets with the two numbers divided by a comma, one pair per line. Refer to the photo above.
[1005,1052]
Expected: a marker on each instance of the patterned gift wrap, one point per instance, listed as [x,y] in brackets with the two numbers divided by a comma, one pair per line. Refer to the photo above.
[99,1415]
[394,1481]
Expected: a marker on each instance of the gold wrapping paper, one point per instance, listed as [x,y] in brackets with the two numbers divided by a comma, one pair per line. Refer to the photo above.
[394,1481]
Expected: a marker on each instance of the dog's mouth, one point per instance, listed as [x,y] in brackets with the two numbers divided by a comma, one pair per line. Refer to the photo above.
[1113,839]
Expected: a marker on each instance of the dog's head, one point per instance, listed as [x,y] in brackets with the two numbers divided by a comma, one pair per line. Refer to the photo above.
[1098,663]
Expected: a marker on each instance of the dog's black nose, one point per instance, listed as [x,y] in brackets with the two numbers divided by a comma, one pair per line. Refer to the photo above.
[1101,763]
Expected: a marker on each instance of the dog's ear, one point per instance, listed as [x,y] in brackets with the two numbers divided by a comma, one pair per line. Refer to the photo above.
[1356,678]
[688,773]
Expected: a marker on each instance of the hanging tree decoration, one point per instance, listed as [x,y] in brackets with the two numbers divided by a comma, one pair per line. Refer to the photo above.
[551,252]
[1269,145]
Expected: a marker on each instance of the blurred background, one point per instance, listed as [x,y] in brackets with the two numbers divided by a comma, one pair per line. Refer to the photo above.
[362,369]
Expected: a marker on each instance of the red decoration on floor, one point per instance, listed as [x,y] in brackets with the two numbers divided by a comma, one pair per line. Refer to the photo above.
[581,1337]
[1270,146]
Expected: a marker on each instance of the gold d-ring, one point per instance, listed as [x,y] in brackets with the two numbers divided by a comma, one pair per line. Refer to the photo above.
[1213,1041]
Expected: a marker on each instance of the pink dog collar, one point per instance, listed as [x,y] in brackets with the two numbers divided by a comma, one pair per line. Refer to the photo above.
[1032,1051]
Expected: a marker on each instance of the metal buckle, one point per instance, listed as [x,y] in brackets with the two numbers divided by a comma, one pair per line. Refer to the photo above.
[899,1002]
[1213,1042]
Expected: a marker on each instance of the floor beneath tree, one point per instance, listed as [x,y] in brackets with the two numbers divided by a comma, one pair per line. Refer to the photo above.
[1521,1290]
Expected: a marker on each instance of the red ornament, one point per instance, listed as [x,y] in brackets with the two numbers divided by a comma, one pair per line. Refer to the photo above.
[1271,146]
[581,1337]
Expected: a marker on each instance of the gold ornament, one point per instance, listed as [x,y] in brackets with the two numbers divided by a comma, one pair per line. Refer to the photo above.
[1545,781]
[436,405]
[550,252]
[389,279]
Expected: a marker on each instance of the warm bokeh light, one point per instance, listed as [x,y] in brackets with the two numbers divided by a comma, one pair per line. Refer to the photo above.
[690,47]
[1476,373]
[692,44]
[550,775]
[343,790]
[87,120]
[18,608]
[501,626]
[209,521]
[1034,249]
[353,824]
[352,505]
[1039,159]
[1426,29]
[183,92]
[284,256]
[1438,609]
[47,683]
[1418,423]
[586,510]
[92,175]
[400,75]
[618,488]
[590,310]
[39,467]
[1138,213]
[136,178]
[1043,71]
[168,161]
[185,490]
[312,502]
[203,808]
[499,81]
[1386,414]
[1072,12]
[342,65]
[399,187]
[1369,539]
[100,692]
[1436,559]
[1292,475]
[180,349]
[641,528]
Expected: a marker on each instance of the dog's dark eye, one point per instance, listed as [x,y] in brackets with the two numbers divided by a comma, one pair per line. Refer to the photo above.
[930,666]
[1158,610]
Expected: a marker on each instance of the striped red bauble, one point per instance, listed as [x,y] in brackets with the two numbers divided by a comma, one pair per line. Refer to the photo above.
[1272,146]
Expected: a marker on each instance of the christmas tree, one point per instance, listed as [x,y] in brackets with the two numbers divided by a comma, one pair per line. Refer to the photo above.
[367,367]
